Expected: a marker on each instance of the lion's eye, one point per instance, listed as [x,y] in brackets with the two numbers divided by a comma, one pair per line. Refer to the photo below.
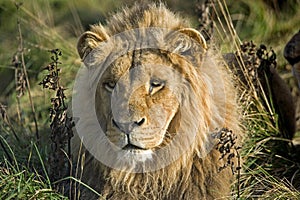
[109,85]
[155,86]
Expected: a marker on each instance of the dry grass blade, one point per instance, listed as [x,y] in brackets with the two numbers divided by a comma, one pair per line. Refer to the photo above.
[24,70]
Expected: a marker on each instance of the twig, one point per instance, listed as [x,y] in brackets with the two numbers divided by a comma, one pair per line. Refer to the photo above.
[20,85]
[239,172]
[21,52]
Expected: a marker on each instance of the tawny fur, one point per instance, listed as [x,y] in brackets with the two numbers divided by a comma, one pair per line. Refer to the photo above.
[191,176]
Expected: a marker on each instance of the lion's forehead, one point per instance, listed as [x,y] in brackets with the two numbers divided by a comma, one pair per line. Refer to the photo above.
[139,64]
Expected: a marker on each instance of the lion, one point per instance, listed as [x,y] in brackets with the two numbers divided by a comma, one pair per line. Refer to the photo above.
[159,96]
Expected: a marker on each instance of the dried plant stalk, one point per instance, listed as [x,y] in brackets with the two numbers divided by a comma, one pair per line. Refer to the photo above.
[23,77]
[61,124]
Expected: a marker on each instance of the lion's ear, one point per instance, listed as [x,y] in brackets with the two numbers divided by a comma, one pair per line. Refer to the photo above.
[89,41]
[196,35]
[185,39]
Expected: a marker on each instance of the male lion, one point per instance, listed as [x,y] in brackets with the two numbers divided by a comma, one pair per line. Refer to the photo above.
[149,102]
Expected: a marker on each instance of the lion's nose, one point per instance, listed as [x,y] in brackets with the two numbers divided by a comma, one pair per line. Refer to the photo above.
[140,122]
[127,127]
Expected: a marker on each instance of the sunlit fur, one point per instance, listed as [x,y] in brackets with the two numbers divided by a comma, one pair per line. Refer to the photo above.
[208,84]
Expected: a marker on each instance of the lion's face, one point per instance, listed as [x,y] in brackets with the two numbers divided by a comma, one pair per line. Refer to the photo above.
[147,83]
[137,101]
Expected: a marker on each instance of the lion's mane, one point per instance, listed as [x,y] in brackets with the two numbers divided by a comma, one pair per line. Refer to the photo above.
[192,176]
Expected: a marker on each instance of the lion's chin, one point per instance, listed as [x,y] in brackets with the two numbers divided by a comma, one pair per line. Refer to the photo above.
[135,156]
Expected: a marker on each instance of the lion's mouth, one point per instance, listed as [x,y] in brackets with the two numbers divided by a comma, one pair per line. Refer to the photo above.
[132,147]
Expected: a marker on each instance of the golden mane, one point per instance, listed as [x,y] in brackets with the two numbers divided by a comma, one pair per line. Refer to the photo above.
[195,175]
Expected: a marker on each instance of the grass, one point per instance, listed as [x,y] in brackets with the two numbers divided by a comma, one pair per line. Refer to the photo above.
[271,164]
[22,180]
[271,168]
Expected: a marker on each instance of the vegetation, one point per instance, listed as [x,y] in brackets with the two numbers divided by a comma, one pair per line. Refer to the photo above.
[29,29]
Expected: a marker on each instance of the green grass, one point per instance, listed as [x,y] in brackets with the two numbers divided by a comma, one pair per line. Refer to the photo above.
[20,180]
[270,168]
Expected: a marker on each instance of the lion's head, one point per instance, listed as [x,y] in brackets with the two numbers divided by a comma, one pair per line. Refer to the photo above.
[145,101]
[157,94]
